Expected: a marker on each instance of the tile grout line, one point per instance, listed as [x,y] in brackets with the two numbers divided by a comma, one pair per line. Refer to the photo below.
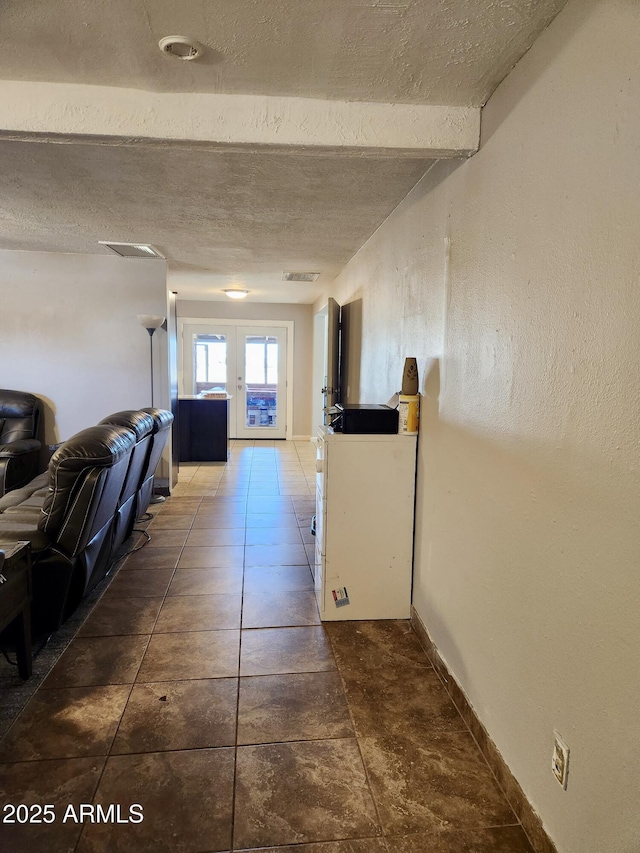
[357,740]
[108,753]
[232,827]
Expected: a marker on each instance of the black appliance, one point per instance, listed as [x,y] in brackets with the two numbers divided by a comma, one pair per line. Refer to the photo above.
[364,418]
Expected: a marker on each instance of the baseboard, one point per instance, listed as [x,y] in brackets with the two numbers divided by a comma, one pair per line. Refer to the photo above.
[301,438]
[531,822]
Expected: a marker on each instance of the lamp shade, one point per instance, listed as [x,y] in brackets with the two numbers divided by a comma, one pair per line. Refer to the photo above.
[150,321]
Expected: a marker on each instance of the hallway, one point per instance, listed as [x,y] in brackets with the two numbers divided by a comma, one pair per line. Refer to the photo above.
[203,687]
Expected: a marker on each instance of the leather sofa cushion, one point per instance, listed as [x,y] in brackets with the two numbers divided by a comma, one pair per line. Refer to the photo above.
[17,404]
[19,446]
[99,446]
[18,413]
[161,417]
[18,496]
[138,421]
[19,525]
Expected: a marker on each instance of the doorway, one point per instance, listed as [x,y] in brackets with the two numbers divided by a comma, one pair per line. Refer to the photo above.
[326,362]
[248,361]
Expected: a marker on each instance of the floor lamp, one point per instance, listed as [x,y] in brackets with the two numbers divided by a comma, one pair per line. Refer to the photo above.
[150,322]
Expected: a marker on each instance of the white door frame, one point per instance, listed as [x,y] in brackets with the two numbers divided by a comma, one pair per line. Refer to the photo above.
[276,431]
[319,369]
[289,325]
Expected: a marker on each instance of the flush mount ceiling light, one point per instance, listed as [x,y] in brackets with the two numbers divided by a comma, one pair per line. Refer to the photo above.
[181,47]
[132,250]
[235,292]
[300,276]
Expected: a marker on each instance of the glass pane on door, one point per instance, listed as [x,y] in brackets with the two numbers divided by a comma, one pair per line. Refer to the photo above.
[210,363]
[261,382]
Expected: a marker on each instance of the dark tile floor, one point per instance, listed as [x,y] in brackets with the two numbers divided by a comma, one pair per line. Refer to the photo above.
[204,688]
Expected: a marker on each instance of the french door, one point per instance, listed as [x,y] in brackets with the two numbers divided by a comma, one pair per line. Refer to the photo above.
[261,381]
[249,363]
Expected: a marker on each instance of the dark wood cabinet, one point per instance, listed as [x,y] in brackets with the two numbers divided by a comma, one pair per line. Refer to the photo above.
[203,427]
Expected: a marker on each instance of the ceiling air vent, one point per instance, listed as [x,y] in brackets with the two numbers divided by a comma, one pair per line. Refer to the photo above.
[132,250]
[300,276]
[180,47]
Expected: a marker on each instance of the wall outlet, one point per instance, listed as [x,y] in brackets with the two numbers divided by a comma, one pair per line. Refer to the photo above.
[560,760]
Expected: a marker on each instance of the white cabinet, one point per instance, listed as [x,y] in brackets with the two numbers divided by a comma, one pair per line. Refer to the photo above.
[365,488]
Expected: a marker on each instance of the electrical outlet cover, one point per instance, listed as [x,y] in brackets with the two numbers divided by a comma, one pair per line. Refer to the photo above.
[560,760]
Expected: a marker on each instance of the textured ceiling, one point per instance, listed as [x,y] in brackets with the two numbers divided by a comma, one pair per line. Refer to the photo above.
[227,215]
[451,52]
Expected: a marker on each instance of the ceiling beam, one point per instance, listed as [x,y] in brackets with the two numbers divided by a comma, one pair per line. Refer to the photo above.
[69,112]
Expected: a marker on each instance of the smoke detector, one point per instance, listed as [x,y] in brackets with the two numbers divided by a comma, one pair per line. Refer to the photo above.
[300,276]
[181,47]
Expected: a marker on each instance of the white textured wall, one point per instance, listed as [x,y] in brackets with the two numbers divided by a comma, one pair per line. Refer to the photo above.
[69,334]
[528,518]
[303,342]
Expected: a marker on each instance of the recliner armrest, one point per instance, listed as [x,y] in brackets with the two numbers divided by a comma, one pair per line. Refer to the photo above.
[17,448]
[18,463]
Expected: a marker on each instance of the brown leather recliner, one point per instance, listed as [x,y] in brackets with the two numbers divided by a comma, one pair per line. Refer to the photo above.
[70,520]
[151,427]
[21,437]
[162,423]
[142,425]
